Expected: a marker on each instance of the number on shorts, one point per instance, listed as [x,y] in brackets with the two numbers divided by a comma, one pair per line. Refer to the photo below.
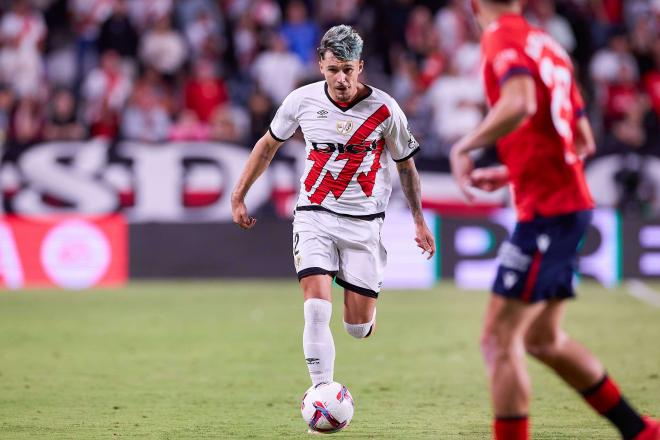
[296,240]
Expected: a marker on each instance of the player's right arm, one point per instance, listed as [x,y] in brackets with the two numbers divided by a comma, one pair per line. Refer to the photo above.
[517,102]
[260,157]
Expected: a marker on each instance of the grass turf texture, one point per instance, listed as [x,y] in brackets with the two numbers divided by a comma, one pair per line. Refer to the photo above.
[224,360]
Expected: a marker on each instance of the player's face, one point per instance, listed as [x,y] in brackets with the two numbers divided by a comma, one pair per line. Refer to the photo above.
[341,76]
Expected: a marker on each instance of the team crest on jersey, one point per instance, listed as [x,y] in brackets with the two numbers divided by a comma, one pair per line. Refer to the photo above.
[344,127]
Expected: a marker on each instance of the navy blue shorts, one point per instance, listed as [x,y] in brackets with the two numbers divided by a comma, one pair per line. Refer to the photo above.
[538,262]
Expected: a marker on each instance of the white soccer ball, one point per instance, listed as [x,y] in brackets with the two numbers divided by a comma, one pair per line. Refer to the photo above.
[327,407]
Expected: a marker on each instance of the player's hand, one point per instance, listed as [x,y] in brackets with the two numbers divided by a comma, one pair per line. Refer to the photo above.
[240,215]
[585,149]
[424,239]
[461,167]
[490,178]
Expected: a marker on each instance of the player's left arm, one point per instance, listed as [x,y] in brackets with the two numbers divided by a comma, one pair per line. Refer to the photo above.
[517,102]
[412,189]
[585,144]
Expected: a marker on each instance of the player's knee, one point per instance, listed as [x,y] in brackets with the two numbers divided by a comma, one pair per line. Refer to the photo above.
[543,345]
[499,344]
[359,331]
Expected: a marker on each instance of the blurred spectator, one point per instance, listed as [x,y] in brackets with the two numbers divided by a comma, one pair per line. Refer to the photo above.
[6,106]
[622,93]
[542,13]
[261,111]
[607,15]
[265,13]
[190,10]
[163,48]
[420,31]
[652,79]
[22,32]
[452,26]
[300,32]
[277,59]
[405,77]
[607,62]
[189,128]
[245,42]
[457,100]
[339,12]
[205,91]
[26,127]
[229,124]
[62,122]
[145,118]
[118,33]
[106,88]
[432,64]
[642,37]
[87,19]
[204,37]
[144,13]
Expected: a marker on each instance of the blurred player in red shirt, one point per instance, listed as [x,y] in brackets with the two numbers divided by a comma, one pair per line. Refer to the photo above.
[537,121]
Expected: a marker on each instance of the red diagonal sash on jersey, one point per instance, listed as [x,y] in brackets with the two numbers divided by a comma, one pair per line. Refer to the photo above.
[368,180]
[353,161]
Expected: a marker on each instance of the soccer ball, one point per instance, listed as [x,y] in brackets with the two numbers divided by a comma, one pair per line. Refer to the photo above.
[327,407]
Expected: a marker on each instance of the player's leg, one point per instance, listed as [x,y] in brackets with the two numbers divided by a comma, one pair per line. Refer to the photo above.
[362,260]
[547,342]
[318,343]
[359,314]
[502,346]
[316,260]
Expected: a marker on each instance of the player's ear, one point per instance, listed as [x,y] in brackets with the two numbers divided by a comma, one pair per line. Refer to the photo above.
[360,66]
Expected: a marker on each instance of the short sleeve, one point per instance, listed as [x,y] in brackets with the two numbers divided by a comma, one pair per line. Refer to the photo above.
[399,139]
[285,122]
[506,56]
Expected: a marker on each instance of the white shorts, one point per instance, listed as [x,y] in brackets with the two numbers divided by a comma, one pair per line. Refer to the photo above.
[350,249]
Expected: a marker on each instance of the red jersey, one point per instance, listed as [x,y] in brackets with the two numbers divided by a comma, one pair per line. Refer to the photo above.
[547,176]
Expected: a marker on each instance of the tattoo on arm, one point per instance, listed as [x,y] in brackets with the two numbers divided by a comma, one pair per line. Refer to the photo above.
[411,187]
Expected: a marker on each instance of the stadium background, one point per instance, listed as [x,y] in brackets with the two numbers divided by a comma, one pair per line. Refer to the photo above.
[140,113]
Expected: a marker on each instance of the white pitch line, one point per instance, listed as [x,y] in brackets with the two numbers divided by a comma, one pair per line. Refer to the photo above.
[643,292]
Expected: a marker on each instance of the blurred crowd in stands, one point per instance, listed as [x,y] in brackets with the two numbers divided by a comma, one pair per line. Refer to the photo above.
[158,70]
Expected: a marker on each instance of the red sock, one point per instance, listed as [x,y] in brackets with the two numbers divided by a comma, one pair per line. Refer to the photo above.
[603,396]
[606,399]
[511,428]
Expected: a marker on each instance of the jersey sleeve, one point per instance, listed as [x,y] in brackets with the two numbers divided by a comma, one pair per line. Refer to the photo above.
[399,139]
[506,56]
[577,101]
[285,122]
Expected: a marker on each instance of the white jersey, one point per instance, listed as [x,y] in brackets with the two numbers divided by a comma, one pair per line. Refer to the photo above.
[347,170]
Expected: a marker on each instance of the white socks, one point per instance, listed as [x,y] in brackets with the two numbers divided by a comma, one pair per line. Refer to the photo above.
[318,345]
[360,331]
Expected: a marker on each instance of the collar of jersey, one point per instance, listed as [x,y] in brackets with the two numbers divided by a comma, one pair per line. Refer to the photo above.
[352,104]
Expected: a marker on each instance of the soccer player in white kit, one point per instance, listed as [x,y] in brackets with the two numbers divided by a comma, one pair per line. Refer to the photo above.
[350,129]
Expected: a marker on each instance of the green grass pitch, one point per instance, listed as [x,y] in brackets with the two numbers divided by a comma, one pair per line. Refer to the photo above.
[224,360]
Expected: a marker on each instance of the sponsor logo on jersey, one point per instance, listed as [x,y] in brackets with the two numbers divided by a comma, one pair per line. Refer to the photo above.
[355,148]
[322,114]
[344,127]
